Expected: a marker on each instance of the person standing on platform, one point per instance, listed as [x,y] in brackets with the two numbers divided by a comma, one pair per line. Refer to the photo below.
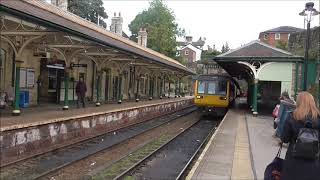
[295,167]
[81,90]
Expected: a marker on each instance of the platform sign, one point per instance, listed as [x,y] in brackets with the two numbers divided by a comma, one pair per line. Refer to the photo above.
[78,65]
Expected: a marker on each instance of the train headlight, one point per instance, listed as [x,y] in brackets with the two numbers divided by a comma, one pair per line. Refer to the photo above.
[223,98]
[198,97]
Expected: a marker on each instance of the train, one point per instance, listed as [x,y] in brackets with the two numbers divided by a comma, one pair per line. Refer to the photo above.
[215,93]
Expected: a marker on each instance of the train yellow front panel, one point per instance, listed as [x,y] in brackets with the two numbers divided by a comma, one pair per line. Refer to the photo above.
[211,100]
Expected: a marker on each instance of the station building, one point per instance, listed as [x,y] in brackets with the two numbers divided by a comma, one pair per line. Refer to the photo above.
[45,50]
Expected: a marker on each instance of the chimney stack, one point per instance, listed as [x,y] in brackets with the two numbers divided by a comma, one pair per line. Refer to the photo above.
[116,24]
[189,39]
[142,37]
[62,4]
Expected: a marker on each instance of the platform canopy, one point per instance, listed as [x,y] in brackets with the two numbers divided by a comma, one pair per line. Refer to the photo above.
[49,20]
[248,60]
[257,61]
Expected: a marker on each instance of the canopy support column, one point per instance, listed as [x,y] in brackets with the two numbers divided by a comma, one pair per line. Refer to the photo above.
[255,96]
[16,111]
[120,89]
[66,90]
[98,86]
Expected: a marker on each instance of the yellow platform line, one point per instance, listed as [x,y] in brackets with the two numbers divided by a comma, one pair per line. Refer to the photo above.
[242,167]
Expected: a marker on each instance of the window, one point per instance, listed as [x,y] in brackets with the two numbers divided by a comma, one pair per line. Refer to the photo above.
[277,36]
[217,88]
[201,86]
[288,36]
[211,87]
[265,36]
[186,52]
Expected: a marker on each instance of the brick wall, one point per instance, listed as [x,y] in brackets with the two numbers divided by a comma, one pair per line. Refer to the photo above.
[20,143]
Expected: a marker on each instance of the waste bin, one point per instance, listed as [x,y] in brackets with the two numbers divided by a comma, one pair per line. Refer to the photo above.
[24,99]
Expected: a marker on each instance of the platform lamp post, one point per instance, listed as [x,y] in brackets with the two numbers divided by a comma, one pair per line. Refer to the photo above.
[308,12]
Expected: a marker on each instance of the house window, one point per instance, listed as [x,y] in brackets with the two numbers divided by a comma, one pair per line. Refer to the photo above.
[288,36]
[265,36]
[186,52]
[277,36]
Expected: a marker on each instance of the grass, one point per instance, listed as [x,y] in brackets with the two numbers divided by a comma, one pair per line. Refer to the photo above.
[128,161]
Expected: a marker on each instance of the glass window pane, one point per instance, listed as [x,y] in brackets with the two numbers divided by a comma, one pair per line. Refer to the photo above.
[212,88]
[201,86]
[222,88]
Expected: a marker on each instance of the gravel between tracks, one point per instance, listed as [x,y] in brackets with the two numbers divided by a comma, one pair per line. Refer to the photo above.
[170,160]
[92,165]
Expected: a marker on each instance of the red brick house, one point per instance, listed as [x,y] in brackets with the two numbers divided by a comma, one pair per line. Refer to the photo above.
[275,35]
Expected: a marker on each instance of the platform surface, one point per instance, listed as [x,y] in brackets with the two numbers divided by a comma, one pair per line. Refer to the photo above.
[241,148]
[45,114]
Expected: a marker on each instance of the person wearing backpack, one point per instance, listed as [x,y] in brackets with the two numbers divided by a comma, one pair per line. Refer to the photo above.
[301,131]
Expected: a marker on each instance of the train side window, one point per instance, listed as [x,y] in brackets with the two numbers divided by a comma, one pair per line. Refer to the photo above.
[201,87]
[222,88]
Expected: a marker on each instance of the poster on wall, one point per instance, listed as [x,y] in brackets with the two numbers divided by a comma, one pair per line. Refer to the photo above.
[23,78]
[30,78]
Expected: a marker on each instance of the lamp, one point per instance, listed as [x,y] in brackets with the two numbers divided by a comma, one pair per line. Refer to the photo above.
[308,12]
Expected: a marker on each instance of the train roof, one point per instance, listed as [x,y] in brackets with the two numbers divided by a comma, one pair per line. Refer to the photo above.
[212,77]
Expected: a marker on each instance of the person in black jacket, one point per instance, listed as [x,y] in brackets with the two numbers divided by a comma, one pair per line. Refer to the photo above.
[295,168]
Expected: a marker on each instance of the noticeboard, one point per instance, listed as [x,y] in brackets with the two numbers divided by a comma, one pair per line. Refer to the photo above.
[30,77]
[27,77]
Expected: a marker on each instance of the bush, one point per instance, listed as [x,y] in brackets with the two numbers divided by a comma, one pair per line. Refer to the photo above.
[314,90]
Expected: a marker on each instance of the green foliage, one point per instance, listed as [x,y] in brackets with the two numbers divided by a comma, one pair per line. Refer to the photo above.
[207,55]
[181,60]
[282,45]
[89,10]
[162,29]
[314,90]
[225,48]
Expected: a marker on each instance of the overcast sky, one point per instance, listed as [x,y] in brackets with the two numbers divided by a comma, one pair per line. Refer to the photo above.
[235,22]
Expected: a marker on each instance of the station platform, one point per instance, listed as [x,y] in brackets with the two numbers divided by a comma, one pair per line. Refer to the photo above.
[241,148]
[42,129]
[44,114]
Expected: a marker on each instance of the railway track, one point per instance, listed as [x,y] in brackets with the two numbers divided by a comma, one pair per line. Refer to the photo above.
[46,166]
[164,158]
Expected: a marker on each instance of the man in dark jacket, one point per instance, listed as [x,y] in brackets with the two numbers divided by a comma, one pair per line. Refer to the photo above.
[81,90]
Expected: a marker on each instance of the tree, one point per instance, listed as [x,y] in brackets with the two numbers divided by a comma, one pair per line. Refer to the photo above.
[89,10]
[162,29]
[225,48]
[282,45]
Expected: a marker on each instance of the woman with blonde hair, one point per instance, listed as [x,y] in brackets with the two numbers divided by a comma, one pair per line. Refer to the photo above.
[294,167]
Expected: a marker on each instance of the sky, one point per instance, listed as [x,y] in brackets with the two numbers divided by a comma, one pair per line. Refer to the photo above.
[236,22]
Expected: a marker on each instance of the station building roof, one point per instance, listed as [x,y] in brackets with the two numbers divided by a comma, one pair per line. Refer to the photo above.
[237,62]
[51,16]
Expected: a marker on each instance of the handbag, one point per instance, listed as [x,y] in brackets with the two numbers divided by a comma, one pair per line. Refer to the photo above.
[273,170]
[275,111]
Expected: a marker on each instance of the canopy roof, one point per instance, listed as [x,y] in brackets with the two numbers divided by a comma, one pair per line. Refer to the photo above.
[49,15]
[237,62]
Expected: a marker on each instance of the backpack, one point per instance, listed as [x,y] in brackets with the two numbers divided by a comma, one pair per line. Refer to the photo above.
[307,144]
